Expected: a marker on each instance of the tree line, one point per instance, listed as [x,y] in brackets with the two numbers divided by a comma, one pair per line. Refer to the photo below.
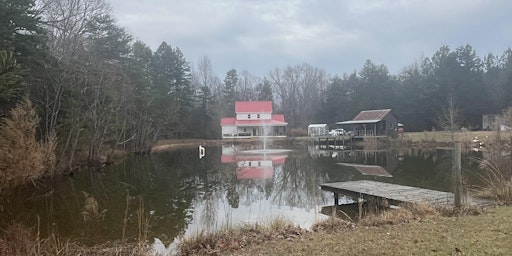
[95,89]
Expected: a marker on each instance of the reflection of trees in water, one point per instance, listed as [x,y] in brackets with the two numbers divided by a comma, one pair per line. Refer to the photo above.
[165,182]
[230,184]
[253,190]
[425,167]
[297,183]
[208,202]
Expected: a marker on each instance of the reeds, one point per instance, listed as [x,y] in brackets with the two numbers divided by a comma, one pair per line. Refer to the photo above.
[17,239]
[497,181]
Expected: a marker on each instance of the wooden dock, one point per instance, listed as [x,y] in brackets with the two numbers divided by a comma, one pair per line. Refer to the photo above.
[395,194]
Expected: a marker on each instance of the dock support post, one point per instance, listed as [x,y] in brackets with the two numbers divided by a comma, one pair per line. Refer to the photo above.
[457,174]
[360,201]
[336,200]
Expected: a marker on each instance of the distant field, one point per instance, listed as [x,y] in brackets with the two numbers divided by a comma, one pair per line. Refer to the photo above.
[441,136]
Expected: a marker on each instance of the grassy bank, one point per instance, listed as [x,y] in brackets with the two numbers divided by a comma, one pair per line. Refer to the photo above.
[415,138]
[411,234]
[445,137]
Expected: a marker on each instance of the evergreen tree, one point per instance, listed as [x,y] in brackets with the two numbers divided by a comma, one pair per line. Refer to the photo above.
[172,91]
[229,92]
[21,43]
[20,29]
[9,81]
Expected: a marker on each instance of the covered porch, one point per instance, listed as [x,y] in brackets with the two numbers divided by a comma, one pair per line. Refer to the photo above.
[364,129]
[261,131]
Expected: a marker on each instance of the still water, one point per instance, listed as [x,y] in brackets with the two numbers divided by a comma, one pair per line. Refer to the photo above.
[171,194]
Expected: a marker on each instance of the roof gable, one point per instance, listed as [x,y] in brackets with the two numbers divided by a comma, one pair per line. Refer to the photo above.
[253,107]
[367,115]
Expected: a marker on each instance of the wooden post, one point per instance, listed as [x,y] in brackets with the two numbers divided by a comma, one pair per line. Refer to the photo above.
[457,174]
[336,200]
[360,206]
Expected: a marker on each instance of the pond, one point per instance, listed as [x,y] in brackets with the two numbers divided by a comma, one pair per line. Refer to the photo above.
[175,193]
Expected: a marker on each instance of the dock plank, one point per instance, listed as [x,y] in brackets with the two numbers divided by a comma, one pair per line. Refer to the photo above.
[394,192]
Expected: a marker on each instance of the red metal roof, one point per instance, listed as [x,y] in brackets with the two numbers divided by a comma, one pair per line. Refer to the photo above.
[278,117]
[227,121]
[277,120]
[253,106]
[372,115]
[260,123]
[227,159]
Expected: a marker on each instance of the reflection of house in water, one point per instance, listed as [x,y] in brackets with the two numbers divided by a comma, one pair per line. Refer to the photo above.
[253,164]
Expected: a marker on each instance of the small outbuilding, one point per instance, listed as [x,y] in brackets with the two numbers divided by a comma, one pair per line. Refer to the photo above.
[318,130]
[379,122]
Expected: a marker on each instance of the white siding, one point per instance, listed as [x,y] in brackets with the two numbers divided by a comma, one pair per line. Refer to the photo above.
[262,163]
[254,116]
[228,131]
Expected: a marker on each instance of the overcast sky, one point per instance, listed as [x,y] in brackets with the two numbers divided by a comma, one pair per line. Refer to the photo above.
[335,35]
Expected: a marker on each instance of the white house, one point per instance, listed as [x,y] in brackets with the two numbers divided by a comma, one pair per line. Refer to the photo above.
[253,119]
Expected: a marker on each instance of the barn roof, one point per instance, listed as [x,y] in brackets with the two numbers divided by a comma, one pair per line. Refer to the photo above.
[368,116]
[372,115]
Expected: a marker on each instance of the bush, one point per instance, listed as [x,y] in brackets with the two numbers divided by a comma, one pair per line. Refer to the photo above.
[22,157]
[298,132]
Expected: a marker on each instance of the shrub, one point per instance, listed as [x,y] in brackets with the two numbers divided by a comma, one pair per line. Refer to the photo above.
[298,132]
[22,157]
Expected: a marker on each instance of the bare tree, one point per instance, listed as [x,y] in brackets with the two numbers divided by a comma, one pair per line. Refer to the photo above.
[245,89]
[68,23]
[206,82]
[298,92]
[448,119]
[82,84]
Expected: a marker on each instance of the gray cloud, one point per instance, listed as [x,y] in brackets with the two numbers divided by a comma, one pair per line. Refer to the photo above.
[337,36]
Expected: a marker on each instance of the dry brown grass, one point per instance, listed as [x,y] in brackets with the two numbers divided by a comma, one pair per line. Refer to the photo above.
[497,181]
[445,137]
[22,157]
[404,214]
[17,239]
[237,238]
[485,234]
[333,225]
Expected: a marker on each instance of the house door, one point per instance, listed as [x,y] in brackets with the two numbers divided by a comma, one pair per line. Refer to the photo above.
[254,132]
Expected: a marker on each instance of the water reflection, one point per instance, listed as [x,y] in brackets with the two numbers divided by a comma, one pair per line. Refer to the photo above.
[180,194]
[258,184]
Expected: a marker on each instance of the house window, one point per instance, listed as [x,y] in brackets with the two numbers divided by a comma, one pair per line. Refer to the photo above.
[258,116]
[259,163]
[249,116]
[245,130]
[250,164]
[390,125]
